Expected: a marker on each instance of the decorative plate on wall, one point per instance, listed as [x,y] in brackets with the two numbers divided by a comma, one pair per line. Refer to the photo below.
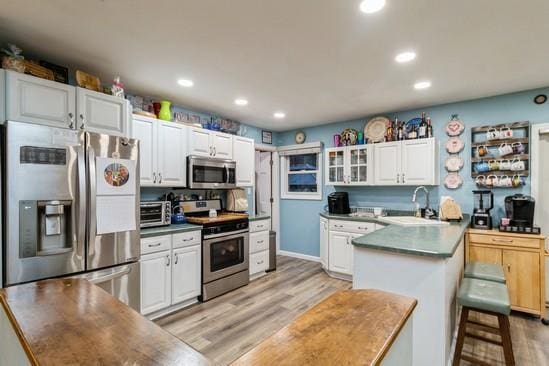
[454,127]
[349,136]
[453,163]
[453,181]
[300,137]
[374,130]
[454,145]
[414,122]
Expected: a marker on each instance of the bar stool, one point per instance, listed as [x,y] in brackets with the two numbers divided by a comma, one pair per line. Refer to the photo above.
[484,271]
[486,297]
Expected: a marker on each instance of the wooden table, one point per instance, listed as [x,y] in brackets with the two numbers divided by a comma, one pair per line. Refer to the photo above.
[352,327]
[73,322]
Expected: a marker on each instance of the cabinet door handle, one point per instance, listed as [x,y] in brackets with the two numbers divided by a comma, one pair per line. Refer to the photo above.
[508,268]
[159,178]
[398,178]
[83,121]
[403,181]
[215,151]
[71,119]
[168,260]
[154,245]
[154,178]
[176,259]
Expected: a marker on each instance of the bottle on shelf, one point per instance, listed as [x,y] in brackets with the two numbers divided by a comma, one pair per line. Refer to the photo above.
[422,129]
[390,132]
[400,131]
[412,135]
[429,128]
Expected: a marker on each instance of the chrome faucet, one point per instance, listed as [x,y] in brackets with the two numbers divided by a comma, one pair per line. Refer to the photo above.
[428,212]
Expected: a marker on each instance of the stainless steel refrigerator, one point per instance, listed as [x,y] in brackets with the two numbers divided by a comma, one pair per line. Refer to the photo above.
[72,207]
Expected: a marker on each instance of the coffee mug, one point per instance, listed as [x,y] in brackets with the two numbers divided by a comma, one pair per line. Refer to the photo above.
[492,134]
[505,149]
[505,164]
[505,133]
[516,181]
[518,148]
[482,150]
[480,180]
[505,181]
[517,164]
[493,164]
[491,180]
[482,167]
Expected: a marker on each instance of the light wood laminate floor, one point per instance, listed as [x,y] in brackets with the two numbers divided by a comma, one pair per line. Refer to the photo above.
[230,325]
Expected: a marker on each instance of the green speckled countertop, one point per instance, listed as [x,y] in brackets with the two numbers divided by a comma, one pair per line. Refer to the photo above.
[170,229]
[433,241]
[258,217]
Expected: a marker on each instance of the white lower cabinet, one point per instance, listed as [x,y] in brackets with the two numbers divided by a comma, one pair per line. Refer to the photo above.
[259,246]
[336,247]
[259,262]
[186,270]
[155,281]
[171,272]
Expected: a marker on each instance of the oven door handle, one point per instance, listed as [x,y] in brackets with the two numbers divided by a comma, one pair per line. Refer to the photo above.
[233,234]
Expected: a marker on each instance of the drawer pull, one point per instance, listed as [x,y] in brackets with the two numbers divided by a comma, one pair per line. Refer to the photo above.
[261,262]
[338,225]
[498,240]
[259,241]
[155,245]
[259,226]
[188,239]
[362,228]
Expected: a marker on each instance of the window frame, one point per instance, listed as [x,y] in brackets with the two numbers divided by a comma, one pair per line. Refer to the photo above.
[285,172]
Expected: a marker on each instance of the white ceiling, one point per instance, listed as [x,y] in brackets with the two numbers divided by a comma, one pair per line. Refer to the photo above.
[317,60]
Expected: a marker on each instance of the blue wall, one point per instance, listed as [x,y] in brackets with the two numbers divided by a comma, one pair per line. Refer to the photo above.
[299,218]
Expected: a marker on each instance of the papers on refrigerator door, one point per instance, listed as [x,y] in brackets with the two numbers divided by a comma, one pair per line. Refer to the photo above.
[115,176]
[115,214]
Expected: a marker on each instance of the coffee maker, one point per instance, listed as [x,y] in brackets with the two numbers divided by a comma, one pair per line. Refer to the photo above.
[484,202]
[520,210]
[338,203]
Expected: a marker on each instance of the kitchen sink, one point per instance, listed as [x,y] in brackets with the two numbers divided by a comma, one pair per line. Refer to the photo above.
[411,221]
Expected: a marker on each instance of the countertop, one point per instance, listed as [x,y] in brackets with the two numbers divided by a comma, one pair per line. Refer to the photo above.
[258,217]
[350,327]
[433,241]
[169,229]
[73,322]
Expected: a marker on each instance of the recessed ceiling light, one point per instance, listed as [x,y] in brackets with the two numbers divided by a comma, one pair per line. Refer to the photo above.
[422,85]
[279,115]
[371,6]
[240,101]
[405,56]
[185,82]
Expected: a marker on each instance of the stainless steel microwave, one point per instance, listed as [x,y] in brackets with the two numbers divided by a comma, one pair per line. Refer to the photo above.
[205,173]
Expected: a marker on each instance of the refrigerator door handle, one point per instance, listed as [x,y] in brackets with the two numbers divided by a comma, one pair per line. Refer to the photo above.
[81,203]
[92,228]
[119,273]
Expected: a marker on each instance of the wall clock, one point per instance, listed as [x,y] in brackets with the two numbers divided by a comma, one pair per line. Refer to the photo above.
[300,137]
[540,99]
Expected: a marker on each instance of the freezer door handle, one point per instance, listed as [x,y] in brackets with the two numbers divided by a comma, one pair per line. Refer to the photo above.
[81,203]
[92,229]
[119,273]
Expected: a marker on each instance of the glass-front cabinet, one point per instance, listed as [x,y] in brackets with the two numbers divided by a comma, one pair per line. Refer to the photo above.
[350,165]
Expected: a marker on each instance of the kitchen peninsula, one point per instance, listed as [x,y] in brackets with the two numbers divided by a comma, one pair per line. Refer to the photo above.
[425,263]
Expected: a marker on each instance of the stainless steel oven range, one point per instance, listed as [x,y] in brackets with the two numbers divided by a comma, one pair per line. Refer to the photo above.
[225,248]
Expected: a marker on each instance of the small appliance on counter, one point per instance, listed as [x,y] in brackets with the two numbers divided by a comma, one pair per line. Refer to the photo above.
[155,213]
[484,202]
[338,203]
[237,201]
[519,211]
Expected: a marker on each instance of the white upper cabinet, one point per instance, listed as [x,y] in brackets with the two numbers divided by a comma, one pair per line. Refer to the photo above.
[101,113]
[171,154]
[36,100]
[212,144]
[162,154]
[144,129]
[2,96]
[410,162]
[199,142]
[419,165]
[244,155]
[222,145]
[186,272]
[387,163]
[351,165]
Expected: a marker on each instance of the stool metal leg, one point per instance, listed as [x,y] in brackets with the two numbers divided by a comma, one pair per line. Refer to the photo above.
[505,332]
[461,335]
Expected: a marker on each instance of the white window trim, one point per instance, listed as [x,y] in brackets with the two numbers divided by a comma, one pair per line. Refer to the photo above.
[284,194]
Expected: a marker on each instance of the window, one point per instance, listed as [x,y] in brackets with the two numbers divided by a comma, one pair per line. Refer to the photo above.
[301,174]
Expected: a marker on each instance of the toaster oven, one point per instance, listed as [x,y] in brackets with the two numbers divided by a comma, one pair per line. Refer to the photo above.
[155,213]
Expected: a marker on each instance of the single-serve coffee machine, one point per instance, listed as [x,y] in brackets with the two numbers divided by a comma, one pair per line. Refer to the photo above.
[520,210]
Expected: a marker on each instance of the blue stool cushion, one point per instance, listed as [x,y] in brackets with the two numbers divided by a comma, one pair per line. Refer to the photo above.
[485,271]
[484,295]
